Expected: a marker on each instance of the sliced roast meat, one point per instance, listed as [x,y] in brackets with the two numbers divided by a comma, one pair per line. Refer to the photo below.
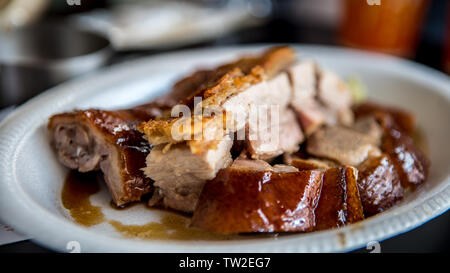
[369,126]
[343,145]
[333,92]
[259,165]
[266,140]
[304,84]
[282,168]
[339,202]
[180,174]
[311,164]
[379,184]
[254,82]
[319,97]
[107,140]
[242,200]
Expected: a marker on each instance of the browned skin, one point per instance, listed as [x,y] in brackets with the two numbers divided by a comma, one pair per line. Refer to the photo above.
[130,145]
[379,184]
[241,200]
[339,202]
[411,163]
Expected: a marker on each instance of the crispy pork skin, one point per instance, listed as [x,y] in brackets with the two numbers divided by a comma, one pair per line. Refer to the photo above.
[379,184]
[342,145]
[106,140]
[339,202]
[242,200]
[179,174]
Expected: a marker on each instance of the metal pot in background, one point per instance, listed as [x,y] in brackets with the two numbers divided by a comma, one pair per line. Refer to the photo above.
[35,58]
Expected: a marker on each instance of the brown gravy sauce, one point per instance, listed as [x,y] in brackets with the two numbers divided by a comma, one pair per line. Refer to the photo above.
[78,187]
[420,140]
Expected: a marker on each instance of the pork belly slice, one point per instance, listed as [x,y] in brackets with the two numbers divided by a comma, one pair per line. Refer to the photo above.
[339,202]
[343,145]
[267,142]
[242,200]
[180,174]
[379,184]
[108,141]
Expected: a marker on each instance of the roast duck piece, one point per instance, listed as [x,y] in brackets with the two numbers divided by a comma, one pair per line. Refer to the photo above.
[329,162]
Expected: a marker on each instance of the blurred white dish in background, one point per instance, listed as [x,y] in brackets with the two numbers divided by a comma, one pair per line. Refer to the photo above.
[32,178]
[168,23]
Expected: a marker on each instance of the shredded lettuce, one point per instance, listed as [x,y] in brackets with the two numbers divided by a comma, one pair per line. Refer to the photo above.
[358,89]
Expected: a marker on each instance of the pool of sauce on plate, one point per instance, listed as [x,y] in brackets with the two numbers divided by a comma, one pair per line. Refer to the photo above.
[78,187]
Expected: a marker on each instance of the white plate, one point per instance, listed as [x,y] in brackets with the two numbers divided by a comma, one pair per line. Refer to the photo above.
[31,177]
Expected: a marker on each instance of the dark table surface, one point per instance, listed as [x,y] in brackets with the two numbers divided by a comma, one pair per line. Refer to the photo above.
[434,235]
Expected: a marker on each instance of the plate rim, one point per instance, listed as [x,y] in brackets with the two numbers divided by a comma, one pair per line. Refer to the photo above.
[394,222]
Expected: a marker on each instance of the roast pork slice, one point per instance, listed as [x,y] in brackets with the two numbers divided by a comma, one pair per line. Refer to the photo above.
[261,165]
[332,91]
[180,174]
[271,140]
[343,145]
[339,202]
[106,140]
[310,112]
[319,97]
[243,200]
[379,184]
[369,126]
[311,163]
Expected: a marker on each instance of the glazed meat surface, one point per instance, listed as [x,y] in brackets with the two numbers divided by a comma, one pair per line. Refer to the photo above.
[339,202]
[243,200]
[379,184]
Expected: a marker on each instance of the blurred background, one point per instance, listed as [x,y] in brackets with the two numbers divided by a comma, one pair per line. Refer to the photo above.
[46,42]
